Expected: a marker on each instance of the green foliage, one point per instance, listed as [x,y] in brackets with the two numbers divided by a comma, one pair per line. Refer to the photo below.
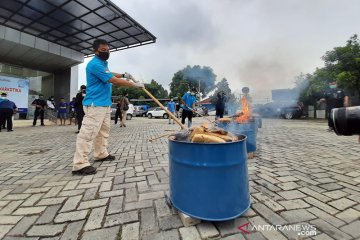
[190,77]
[153,87]
[342,65]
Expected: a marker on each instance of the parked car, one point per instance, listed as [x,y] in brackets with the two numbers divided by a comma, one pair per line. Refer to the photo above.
[287,110]
[129,113]
[141,110]
[157,112]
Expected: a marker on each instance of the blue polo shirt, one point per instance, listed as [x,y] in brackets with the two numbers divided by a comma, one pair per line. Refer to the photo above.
[98,89]
[7,104]
[171,106]
[189,101]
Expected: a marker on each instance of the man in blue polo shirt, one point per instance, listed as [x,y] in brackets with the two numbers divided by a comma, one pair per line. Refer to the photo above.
[97,102]
[7,109]
[188,105]
[171,108]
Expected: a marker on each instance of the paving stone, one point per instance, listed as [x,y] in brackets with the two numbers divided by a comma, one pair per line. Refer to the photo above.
[138,205]
[121,218]
[71,216]
[336,194]
[207,230]
[101,234]
[71,203]
[322,236]
[268,202]
[162,209]
[268,214]
[93,203]
[22,226]
[16,196]
[115,205]
[330,230]
[95,219]
[10,207]
[298,215]
[4,229]
[51,201]
[49,215]
[268,234]
[170,222]
[7,219]
[32,200]
[53,192]
[111,193]
[49,230]
[189,233]
[342,203]
[131,231]
[151,195]
[164,235]
[327,217]
[131,195]
[331,186]
[29,210]
[148,221]
[72,230]
[293,194]
[294,204]
[348,215]
[314,194]
[352,229]
[321,205]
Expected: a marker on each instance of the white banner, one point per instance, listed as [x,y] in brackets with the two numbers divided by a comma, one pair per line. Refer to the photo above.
[17,90]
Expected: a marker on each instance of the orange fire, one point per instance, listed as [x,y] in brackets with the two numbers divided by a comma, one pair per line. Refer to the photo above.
[246,112]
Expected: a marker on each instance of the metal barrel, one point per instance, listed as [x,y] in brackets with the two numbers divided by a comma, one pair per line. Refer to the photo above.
[346,120]
[248,129]
[209,181]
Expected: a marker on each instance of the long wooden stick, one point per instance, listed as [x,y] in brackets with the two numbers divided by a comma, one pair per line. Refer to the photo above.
[165,109]
[161,136]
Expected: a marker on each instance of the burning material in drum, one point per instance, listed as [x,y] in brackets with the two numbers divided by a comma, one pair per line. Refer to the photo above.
[204,133]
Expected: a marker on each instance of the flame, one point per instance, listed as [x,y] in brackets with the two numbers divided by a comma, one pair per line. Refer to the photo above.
[246,112]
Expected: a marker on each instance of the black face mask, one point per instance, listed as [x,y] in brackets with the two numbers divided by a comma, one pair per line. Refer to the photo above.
[104,55]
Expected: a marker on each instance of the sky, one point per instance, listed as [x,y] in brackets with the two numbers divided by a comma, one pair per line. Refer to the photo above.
[261,44]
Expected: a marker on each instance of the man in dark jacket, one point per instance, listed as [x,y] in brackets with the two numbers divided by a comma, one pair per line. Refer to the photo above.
[79,110]
[334,98]
[220,105]
[7,109]
[40,105]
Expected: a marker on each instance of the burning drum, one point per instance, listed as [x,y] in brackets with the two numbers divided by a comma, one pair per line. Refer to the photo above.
[249,129]
[209,181]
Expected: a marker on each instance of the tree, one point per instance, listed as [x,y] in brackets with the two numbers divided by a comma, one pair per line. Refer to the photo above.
[343,64]
[154,87]
[191,77]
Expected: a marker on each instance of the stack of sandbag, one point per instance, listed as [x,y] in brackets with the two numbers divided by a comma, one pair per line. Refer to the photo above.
[209,134]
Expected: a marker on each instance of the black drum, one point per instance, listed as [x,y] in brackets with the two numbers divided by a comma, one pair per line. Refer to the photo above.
[346,120]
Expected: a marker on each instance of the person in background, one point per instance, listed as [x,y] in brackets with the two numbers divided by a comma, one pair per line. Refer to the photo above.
[220,105]
[79,106]
[177,108]
[118,111]
[62,108]
[97,107]
[40,105]
[7,109]
[72,110]
[124,106]
[334,98]
[50,103]
[188,105]
[171,108]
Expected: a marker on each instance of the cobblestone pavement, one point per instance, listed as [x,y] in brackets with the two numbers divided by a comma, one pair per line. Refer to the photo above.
[301,175]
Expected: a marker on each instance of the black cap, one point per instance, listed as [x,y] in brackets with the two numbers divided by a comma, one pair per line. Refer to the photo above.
[82,87]
[3,94]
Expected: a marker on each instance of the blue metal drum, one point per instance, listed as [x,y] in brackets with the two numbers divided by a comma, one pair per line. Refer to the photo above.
[248,129]
[209,181]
